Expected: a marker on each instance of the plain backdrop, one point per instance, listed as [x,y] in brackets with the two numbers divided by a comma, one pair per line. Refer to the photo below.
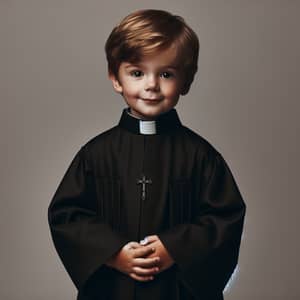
[55,96]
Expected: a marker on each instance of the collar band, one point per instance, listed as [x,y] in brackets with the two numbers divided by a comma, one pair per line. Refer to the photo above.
[166,122]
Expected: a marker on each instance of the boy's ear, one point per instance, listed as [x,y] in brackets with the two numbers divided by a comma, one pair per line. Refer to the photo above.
[116,84]
[186,85]
[185,89]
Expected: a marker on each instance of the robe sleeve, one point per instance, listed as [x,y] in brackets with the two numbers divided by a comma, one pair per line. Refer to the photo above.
[206,250]
[82,240]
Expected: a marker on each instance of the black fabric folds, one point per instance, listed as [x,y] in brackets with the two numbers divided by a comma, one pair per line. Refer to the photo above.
[193,204]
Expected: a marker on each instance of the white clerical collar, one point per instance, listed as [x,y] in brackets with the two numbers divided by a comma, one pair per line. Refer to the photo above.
[165,122]
[145,127]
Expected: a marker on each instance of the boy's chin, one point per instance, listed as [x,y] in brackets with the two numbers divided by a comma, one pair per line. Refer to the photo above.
[147,116]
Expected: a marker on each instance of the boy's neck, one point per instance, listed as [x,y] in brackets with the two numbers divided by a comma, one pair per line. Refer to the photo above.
[137,117]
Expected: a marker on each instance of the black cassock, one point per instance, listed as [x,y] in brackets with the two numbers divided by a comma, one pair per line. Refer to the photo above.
[192,203]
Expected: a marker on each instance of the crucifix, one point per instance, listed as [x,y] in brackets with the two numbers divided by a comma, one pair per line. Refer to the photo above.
[143,181]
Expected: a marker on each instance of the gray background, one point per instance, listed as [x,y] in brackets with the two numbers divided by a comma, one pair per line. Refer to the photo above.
[55,96]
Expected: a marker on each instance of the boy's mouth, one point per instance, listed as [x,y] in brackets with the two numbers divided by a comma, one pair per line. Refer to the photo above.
[152,99]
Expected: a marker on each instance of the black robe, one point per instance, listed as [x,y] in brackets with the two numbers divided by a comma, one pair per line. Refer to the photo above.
[193,204]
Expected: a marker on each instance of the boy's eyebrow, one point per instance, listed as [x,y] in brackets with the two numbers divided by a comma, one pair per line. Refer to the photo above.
[171,67]
[132,65]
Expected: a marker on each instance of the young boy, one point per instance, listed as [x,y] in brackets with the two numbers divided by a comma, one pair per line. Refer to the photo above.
[149,209]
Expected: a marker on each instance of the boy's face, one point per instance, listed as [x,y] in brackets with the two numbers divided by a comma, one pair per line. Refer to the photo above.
[152,86]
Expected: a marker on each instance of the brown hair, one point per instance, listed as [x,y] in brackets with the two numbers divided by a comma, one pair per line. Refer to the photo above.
[145,32]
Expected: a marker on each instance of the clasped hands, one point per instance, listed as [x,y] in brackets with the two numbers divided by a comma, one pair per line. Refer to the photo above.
[142,261]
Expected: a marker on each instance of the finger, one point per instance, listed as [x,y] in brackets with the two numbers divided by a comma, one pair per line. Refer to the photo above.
[141,278]
[144,241]
[143,251]
[145,271]
[132,245]
[146,262]
[152,238]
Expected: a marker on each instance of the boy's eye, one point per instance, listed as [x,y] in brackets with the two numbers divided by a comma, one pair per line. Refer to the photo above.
[166,74]
[136,73]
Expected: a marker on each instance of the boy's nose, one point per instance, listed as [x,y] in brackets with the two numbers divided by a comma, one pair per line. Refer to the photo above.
[152,83]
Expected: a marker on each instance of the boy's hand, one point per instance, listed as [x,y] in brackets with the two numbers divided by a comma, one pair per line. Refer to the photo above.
[166,261]
[133,259]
